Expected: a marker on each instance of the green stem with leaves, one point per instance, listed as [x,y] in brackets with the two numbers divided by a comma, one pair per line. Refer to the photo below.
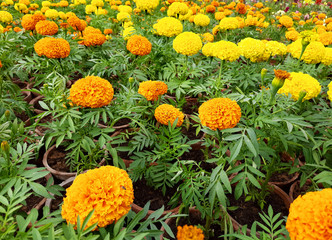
[219,78]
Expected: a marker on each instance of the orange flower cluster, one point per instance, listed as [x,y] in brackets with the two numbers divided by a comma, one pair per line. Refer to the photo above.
[310,216]
[29,21]
[46,27]
[52,47]
[0,64]
[166,113]
[92,91]
[189,232]
[108,190]
[219,113]
[93,37]
[76,23]
[241,8]
[151,90]
[139,45]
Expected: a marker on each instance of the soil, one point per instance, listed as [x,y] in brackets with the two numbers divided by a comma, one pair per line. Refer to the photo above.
[194,219]
[57,159]
[301,190]
[55,204]
[23,116]
[122,122]
[248,212]
[191,133]
[191,106]
[144,193]
[281,177]
[198,156]
[46,119]
[34,200]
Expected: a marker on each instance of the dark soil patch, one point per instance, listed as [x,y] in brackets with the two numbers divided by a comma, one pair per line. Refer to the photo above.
[144,193]
[191,106]
[57,159]
[32,201]
[55,204]
[42,128]
[191,133]
[22,115]
[301,190]
[198,157]
[122,121]
[281,177]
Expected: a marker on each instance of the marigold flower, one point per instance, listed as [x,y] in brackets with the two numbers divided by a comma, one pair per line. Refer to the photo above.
[310,216]
[210,9]
[5,17]
[201,20]
[127,32]
[93,39]
[207,37]
[108,31]
[107,190]
[327,60]
[314,52]
[275,48]
[139,45]
[151,90]
[76,23]
[219,113]
[124,8]
[252,48]
[147,5]
[241,8]
[90,9]
[166,113]
[219,15]
[168,26]
[0,64]
[17,29]
[226,50]
[329,92]
[52,47]
[52,13]
[28,22]
[123,16]
[177,8]
[286,21]
[46,27]
[326,38]
[292,35]
[187,43]
[91,91]
[189,232]
[299,82]
[228,23]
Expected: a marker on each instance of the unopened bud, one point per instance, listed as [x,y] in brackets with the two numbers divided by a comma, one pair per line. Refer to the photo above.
[302,94]
[5,146]
[263,73]
[7,114]
[131,79]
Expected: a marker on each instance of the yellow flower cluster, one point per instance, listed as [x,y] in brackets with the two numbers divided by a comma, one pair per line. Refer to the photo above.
[207,49]
[286,21]
[46,28]
[168,26]
[219,113]
[90,9]
[151,90]
[226,50]
[166,113]
[1,29]
[228,23]
[275,48]
[123,17]
[327,60]
[52,47]
[52,13]
[147,5]
[207,37]
[5,17]
[252,48]
[189,233]
[300,82]
[127,32]
[187,43]
[310,216]
[329,92]
[107,190]
[91,91]
[314,52]
[139,45]
[177,8]
[326,38]
[292,35]
[202,20]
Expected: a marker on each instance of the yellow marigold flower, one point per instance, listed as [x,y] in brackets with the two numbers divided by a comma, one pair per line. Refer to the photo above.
[189,232]
[107,190]
[187,43]
[310,216]
[229,23]
[20,7]
[124,8]
[327,60]
[46,3]
[90,9]
[226,50]
[275,48]
[52,13]
[63,4]
[97,3]
[166,113]
[207,37]
[139,45]
[151,90]
[177,8]
[201,20]
[46,27]
[92,92]
[147,5]
[298,83]
[252,48]
[329,92]
[309,36]
[292,35]
[168,26]
[123,16]
[326,38]
[207,49]
[286,21]
[314,52]
[219,15]
[329,27]
[1,29]
[219,113]
[127,32]
[52,47]
[5,17]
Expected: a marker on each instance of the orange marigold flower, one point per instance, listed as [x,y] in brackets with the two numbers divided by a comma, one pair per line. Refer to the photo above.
[286,21]
[241,8]
[189,232]
[17,29]
[76,23]
[107,190]
[0,64]
[151,90]
[310,216]
[219,113]
[94,39]
[139,45]
[52,47]
[166,113]
[90,30]
[92,91]
[281,74]
[46,27]
[28,22]
[108,31]
[210,9]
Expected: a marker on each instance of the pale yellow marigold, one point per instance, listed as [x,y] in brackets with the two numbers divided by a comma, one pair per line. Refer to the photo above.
[91,91]
[177,8]
[107,190]
[329,92]
[226,50]
[168,26]
[189,233]
[252,49]
[327,59]
[147,5]
[310,216]
[90,9]
[300,82]
[275,48]
[201,20]
[286,21]
[166,113]
[97,3]
[151,90]
[52,47]
[139,45]
[229,23]
[219,113]
[5,17]
[187,43]
[127,32]
[52,14]
[46,27]
[124,8]
[123,17]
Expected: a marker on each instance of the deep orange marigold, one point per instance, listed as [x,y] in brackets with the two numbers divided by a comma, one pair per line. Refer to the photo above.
[151,90]
[310,216]
[139,45]
[46,27]
[107,190]
[189,232]
[92,91]
[76,23]
[166,113]
[52,47]
[0,64]
[210,9]
[94,39]
[219,113]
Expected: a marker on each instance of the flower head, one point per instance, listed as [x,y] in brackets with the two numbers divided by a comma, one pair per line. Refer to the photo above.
[226,50]
[177,8]
[46,27]
[229,23]
[201,20]
[187,43]
[139,45]
[189,232]
[168,26]
[286,21]
[280,77]
[327,60]
[5,17]
[252,48]
[52,47]
[147,5]
[329,92]
[107,190]
[310,216]
[219,113]
[166,113]
[151,90]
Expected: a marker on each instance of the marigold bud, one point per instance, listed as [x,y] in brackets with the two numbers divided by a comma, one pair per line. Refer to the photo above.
[5,146]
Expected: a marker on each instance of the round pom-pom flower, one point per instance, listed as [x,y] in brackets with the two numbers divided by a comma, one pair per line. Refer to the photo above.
[151,90]
[5,17]
[286,21]
[47,27]
[139,45]
[147,5]
[310,216]
[201,20]
[252,48]
[226,50]
[52,47]
[327,60]
[177,8]
[229,23]
[329,92]
[189,232]
[166,113]
[300,82]
[92,91]
[187,43]
[168,26]
[107,190]
[219,113]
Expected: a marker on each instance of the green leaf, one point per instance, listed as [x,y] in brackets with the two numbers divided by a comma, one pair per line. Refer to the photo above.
[236,149]
[39,189]
[250,145]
